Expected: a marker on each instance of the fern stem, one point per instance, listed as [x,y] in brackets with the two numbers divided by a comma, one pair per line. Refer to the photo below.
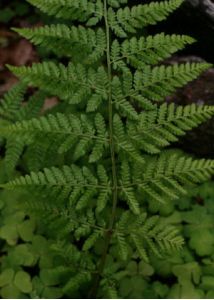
[109,231]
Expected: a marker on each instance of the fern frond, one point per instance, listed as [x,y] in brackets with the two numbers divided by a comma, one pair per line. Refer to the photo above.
[104,195]
[10,104]
[153,84]
[122,245]
[41,151]
[128,20]
[147,234]
[116,3]
[163,125]
[90,241]
[76,281]
[119,100]
[147,50]
[14,149]
[68,131]
[72,256]
[101,141]
[124,145]
[68,41]
[128,192]
[33,107]
[161,81]
[74,83]
[110,289]
[63,182]
[13,109]
[60,219]
[164,176]
[81,10]
[159,238]
[66,250]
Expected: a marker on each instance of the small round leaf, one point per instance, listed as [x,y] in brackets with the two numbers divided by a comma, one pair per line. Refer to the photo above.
[23,282]
[6,277]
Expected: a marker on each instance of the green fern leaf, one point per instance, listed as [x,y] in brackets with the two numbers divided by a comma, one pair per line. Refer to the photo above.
[161,81]
[101,139]
[148,234]
[116,3]
[128,192]
[146,51]
[80,10]
[73,284]
[68,41]
[14,149]
[162,126]
[71,131]
[89,243]
[127,20]
[123,247]
[123,144]
[10,104]
[121,103]
[65,82]
[164,176]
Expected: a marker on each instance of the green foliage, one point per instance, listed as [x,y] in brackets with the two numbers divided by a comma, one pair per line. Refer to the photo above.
[13,9]
[23,248]
[68,41]
[146,50]
[193,277]
[126,20]
[97,177]
[162,125]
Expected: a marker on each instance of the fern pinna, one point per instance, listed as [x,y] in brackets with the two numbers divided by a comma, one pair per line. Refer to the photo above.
[100,159]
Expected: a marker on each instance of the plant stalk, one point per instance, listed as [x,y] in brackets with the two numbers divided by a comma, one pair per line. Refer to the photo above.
[101,266]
